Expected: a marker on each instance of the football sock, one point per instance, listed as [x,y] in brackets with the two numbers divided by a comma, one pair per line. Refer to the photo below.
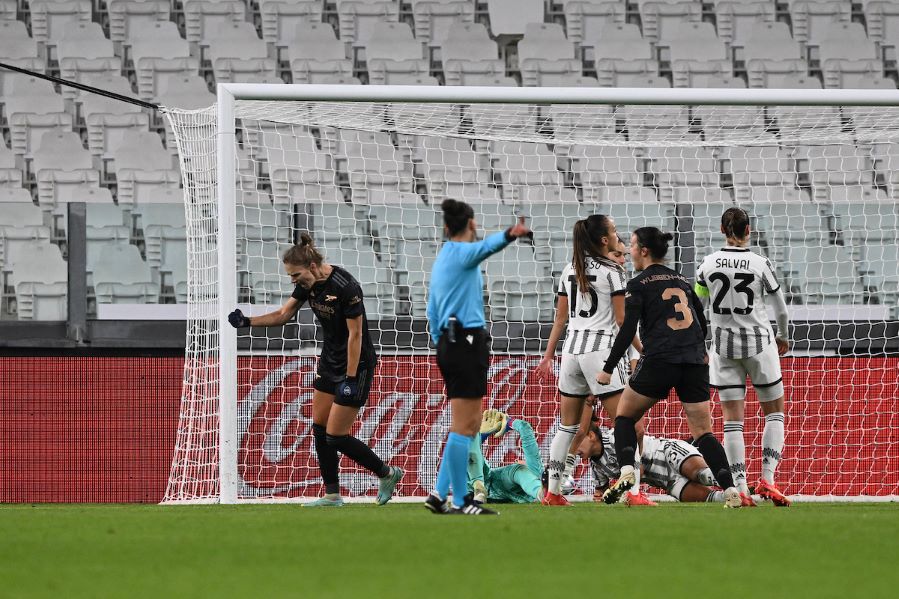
[558,451]
[570,462]
[735,447]
[635,490]
[442,486]
[455,457]
[714,456]
[706,477]
[328,460]
[625,441]
[715,497]
[360,453]
[772,444]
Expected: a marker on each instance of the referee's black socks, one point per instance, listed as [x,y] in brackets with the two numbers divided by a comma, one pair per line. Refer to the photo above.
[625,440]
[715,457]
[328,460]
[360,453]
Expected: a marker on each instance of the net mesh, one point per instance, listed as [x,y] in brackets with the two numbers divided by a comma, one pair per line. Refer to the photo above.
[366,180]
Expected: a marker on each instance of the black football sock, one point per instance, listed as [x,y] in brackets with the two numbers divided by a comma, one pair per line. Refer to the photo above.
[328,460]
[625,440]
[716,458]
[360,453]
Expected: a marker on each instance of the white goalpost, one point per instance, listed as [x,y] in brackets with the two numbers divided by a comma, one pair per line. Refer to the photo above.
[363,169]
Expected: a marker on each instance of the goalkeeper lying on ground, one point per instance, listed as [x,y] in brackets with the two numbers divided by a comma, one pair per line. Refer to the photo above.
[514,483]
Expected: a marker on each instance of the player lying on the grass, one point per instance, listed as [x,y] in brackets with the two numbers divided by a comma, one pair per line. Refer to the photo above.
[346,366]
[673,331]
[591,303]
[518,482]
[669,464]
[737,281]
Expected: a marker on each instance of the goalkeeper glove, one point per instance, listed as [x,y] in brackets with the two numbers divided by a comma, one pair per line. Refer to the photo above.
[494,422]
[480,491]
[238,320]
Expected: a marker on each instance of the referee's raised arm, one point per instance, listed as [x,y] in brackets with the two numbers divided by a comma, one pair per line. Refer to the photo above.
[458,329]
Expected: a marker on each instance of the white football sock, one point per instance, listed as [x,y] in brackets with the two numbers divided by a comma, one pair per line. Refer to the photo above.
[570,463]
[715,497]
[772,445]
[706,477]
[735,448]
[558,452]
[635,490]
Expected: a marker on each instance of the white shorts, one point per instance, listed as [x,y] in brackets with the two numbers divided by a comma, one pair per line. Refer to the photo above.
[729,375]
[577,375]
[663,460]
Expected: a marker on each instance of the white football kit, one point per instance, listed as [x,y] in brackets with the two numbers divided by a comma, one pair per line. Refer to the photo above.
[742,338]
[591,329]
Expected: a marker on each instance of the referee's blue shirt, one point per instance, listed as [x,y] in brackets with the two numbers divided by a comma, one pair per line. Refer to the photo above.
[457,287]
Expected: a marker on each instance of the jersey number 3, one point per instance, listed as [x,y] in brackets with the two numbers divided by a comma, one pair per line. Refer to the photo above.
[744,280]
[681,307]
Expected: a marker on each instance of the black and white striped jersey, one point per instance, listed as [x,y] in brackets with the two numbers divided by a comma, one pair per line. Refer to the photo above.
[737,280]
[591,320]
[656,472]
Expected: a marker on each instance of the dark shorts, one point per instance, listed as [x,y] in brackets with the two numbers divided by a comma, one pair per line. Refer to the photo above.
[464,364]
[327,382]
[655,379]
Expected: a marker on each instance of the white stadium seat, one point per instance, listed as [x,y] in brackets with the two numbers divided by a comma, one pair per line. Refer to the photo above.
[468,52]
[39,277]
[126,16]
[622,56]
[545,55]
[317,53]
[120,276]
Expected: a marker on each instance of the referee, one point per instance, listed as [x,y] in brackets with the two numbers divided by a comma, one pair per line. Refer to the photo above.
[457,326]
[673,330]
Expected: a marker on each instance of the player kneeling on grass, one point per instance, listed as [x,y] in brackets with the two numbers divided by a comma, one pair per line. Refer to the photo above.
[346,366]
[518,482]
[669,464]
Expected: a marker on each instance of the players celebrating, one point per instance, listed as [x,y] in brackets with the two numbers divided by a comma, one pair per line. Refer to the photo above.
[591,301]
[673,330]
[346,366]
[456,322]
[669,464]
[737,280]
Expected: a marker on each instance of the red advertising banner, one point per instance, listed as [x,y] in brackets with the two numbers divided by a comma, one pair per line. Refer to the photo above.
[104,429]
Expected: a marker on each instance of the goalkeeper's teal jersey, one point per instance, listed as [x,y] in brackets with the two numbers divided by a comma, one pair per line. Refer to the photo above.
[514,483]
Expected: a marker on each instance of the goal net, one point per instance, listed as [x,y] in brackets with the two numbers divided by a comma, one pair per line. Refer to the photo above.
[366,179]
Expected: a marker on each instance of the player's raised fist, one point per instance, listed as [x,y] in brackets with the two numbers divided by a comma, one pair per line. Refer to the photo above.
[238,320]
[520,229]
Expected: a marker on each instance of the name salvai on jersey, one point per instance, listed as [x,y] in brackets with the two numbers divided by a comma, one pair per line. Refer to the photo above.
[737,280]
[591,320]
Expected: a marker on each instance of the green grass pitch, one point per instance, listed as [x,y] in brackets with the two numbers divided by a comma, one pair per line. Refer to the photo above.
[401,550]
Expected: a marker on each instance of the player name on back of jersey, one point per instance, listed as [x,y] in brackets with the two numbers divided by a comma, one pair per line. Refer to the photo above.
[735,263]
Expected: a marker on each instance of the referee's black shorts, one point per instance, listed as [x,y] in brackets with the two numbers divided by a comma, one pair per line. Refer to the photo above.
[464,364]
[656,378]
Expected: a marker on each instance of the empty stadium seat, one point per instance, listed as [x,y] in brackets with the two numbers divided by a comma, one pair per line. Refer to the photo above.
[201,17]
[237,55]
[867,223]
[524,164]
[757,167]
[391,50]
[622,56]
[32,108]
[735,20]
[468,52]
[294,160]
[105,224]
[49,17]
[10,173]
[682,167]
[847,55]
[545,55]
[40,279]
[126,16]
[165,236]
[584,20]
[108,120]
[881,270]
[658,16]
[695,54]
[656,122]
[20,224]
[142,167]
[373,275]
[359,17]
[60,160]
[18,49]
[732,122]
[573,123]
[812,19]
[455,173]
[823,275]
[160,55]
[282,20]
[882,19]
[829,165]
[600,167]
[83,50]
[316,53]
[633,215]
[120,276]
[434,19]
[511,17]
[414,261]
[772,56]
[375,165]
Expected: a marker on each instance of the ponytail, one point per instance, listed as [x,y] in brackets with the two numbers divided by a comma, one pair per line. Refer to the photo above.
[588,233]
[456,215]
[735,223]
